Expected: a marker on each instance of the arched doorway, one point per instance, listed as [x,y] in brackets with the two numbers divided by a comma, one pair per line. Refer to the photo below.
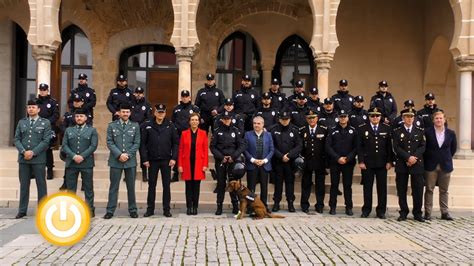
[76,58]
[294,61]
[154,68]
[238,55]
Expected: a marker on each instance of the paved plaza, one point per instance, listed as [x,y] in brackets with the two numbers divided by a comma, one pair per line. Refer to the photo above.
[209,239]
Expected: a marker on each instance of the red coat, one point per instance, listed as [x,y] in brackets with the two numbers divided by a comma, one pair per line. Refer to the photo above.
[202,154]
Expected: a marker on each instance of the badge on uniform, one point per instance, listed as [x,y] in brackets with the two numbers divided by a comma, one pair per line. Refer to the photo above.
[305,134]
[350,99]
[320,136]
[337,120]
[402,135]
[217,94]
[190,111]
[233,121]
[365,117]
[273,113]
[291,134]
[233,134]
[87,95]
[351,131]
[280,99]
[148,127]
[127,94]
[252,96]
[366,133]
[391,100]
[143,108]
[48,105]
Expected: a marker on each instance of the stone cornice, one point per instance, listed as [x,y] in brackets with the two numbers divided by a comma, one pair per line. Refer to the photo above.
[184,53]
[323,60]
[465,63]
[43,52]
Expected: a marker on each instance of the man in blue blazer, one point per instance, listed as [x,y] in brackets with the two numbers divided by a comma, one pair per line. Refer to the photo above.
[258,156]
[441,145]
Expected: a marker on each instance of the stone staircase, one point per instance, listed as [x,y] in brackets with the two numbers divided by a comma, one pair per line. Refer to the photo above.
[461,187]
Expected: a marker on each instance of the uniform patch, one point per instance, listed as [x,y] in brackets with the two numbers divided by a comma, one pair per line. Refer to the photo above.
[391,100]
[280,99]
[233,134]
[252,96]
[233,121]
[217,94]
[190,111]
[351,131]
[87,95]
[337,119]
[320,136]
[350,99]
[143,108]
[291,134]
[366,133]
[273,113]
[127,94]
[48,105]
[402,135]
[364,116]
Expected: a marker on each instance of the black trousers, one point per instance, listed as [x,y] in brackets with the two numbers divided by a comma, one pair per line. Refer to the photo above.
[319,189]
[347,171]
[49,159]
[208,122]
[248,123]
[380,175]
[284,173]
[193,188]
[222,172]
[155,167]
[417,183]
[261,175]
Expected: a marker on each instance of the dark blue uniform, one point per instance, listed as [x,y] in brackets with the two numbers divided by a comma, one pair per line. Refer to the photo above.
[342,101]
[278,100]
[226,141]
[386,103]
[141,110]
[286,140]
[86,93]
[375,151]
[117,96]
[236,121]
[49,109]
[269,116]
[159,145]
[358,117]
[328,120]
[341,142]
[246,103]
[426,113]
[208,99]
[181,113]
[314,155]
[298,114]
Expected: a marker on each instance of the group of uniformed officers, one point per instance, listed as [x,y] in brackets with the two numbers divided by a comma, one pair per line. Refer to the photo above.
[309,136]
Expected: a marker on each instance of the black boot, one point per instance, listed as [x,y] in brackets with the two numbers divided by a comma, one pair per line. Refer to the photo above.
[145,174]
[195,211]
[219,209]
[235,207]
[189,211]
[49,173]
[276,207]
[291,208]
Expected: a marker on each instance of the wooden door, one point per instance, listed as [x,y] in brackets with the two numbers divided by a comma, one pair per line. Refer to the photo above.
[163,88]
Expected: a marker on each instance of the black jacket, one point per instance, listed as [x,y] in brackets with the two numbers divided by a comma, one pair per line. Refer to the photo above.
[426,113]
[269,115]
[208,99]
[385,103]
[69,120]
[245,100]
[158,142]
[278,100]
[298,114]
[358,117]
[85,92]
[286,139]
[181,113]
[49,109]
[409,144]
[328,120]
[227,141]
[342,101]
[141,111]
[118,96]
[342,142]
[375,148]
[314,151]
[237,121]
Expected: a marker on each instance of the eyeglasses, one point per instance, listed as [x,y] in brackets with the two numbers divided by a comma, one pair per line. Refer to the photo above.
[374,115]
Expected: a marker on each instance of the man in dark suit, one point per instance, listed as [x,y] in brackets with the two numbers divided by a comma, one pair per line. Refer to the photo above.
[409,146]
[258,154]
[441,145]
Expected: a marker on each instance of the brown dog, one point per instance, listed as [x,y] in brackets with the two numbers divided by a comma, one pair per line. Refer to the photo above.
[248,197]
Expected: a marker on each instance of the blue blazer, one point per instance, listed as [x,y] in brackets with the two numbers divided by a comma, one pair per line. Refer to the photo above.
[435,155]
[251,151]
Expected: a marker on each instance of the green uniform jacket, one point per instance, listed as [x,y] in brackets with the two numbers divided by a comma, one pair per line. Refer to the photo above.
[123,140]
[35,138]
[80,142]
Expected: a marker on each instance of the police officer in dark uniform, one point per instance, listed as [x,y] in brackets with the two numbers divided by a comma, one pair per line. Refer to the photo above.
[384,101]
[398,121]
[342,99]
[278,97]
[269,114]
[328,116]
[69,116]
[313,100]
[49,109]
[236,119]
[141,112]
[32,137]
[341,149]
[313,150]
[429,108]
[85,92]
[121,94]
[287,147]
[159,151]
[409,146]
[358,116]
[298,110]
[299,88]
[181,112]
[375,156]
[208,99]
[246,101]
[227,146]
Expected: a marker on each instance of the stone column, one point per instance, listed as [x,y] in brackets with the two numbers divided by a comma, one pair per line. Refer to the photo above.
[466,66]
[43,55]
[184,56]
[266,78]
[323,64]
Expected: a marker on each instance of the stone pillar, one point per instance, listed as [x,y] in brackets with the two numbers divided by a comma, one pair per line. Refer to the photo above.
[43,55]
[184,56]
[465,104]
[323,64]
[7,107]
[266,78]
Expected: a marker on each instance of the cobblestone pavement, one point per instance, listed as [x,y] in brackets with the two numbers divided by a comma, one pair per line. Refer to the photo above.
[208,239]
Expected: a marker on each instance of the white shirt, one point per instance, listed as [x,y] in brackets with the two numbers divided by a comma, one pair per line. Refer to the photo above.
[440,136]
[408,129]
[312,130]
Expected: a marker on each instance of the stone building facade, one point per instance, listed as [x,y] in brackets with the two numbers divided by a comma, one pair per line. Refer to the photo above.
[418,46]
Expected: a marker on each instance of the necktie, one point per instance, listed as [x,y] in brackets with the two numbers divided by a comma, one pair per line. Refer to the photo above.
[312,131]
[32,122]
[123,125]
[375,129]
[408,130]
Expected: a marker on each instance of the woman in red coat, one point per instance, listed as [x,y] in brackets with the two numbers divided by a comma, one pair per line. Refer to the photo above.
[192,161]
